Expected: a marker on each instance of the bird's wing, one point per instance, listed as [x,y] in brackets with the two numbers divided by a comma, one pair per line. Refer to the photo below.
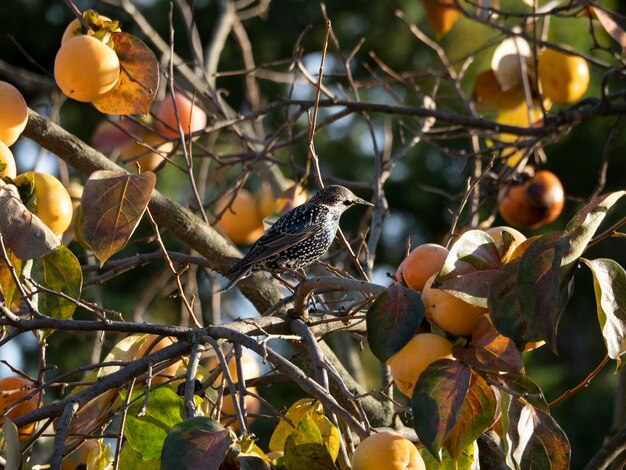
[274,242]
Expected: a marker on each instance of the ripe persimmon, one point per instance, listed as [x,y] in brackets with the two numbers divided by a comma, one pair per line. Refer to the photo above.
[180,107]
[13,113]
[420,264]
[45,196]
[151,345]
[7,162]
[241,221]
[442,15]
[85,68]
[13,389]
[409,363]
[150,153]
[533,203]
[450,313]
[390,448]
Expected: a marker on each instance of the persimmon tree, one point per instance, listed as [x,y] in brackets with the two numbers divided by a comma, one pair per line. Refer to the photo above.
[202,142]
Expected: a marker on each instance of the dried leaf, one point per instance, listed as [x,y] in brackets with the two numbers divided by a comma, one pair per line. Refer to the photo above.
[139,78]
[112,206]
[23,232]
[610,26]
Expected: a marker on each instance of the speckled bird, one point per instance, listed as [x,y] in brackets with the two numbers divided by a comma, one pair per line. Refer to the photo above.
[298,238]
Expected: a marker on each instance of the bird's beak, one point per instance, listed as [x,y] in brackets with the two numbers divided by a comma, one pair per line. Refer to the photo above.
[358,200]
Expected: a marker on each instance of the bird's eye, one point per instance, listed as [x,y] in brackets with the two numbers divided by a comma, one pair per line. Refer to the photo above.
[347,202]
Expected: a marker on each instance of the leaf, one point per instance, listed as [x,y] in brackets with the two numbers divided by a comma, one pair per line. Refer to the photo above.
[609,284]
[525,297]
[583,226]
[196,443]
[437,400]
[59,271]
[10,435]
[488,350]
[139,78]
[392,320]
[309,456]
[542,443]
[476,415]
[112,206]
[147,433]
[306,408]
[466,461]
[522,386]
[306,432]
[23,232]
[130,458]
[610,26]
[470,267]
[7,283]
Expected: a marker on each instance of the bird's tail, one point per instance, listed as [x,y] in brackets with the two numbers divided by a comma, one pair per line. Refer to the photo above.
[239,275]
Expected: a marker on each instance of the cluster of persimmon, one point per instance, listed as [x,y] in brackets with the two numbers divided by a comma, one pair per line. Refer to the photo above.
[448,316]
[42,193]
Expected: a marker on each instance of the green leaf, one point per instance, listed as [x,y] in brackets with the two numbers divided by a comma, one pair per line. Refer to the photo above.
[609,284]
[470,267]
[306,432]
[542,443]
[197,443]
[488,350]
[522,386]
[465,461]
[525,297]
[392,320]
[437,401]
[308,456]
[476,415]
[130,458]
[147,433]
[112,206]
[59,271]
[139,78]
[10,445]
[8,287]
[311,409]
[583,226]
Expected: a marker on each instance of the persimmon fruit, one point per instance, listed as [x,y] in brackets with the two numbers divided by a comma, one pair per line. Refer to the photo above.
[47,198]
[409,363]
[450,313]
[240,219]
[564,77]
[85,68]
[13,113]
[151,345]
[533,203]
[180,107]
[507,240]
[13,389]
[390,448]
[7,162]
[442,15]
[420,264]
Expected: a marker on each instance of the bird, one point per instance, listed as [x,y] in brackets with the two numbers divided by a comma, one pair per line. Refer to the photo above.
[299,237]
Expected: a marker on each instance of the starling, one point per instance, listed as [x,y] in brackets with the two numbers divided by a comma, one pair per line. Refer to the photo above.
[298,238]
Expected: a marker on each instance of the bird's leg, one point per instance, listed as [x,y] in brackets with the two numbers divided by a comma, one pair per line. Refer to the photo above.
[284,282]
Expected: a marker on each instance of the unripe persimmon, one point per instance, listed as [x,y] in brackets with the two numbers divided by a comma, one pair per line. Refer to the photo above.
[564,77]
[85,68]
[409,363]
[192,117]
[533,203]
[450,313]
[241,221]
[13,389]
[7,162]
[389,448]
[13,113]
[47,198]
[420,264]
